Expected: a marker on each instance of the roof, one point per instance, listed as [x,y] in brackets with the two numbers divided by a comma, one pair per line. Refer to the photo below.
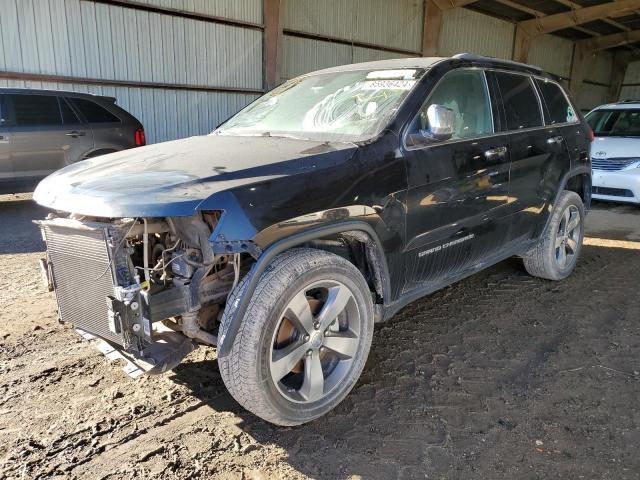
[620,105]
[609,18]
[68,93]
[393,63]
[428,62]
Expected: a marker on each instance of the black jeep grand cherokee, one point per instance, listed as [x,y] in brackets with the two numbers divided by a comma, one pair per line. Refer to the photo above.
[324,206]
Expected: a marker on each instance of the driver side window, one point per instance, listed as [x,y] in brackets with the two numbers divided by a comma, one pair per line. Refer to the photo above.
[464,92]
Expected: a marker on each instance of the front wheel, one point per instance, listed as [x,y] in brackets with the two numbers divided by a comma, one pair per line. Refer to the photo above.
[304,339]
[555,255]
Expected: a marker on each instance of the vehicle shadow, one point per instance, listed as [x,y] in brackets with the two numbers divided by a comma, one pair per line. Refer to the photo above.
[399,419]
[470,381]
[364,436]
[18,233]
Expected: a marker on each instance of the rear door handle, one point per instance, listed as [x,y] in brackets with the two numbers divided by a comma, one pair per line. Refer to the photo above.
[75,134]
[496,152]
[552,140]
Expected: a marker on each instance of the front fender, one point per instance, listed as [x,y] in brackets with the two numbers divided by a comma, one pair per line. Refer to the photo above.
[314,231]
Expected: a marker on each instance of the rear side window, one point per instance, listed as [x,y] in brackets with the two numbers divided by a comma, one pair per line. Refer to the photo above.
[520,101]
[93,112]
[36,110]
[557,108]
[68,115]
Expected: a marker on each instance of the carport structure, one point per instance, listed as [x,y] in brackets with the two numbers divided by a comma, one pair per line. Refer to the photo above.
[184,66]
[594,26]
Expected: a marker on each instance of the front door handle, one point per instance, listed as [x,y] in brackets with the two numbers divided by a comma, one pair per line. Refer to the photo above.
[75,134]
[552,140]
[496,152]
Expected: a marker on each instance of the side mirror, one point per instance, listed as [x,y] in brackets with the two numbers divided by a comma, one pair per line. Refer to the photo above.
[441,122]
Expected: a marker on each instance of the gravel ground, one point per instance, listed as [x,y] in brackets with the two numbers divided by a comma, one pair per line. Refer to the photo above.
[499,376]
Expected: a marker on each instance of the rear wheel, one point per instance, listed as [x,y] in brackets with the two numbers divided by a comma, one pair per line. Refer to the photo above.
[556,254]
[304,340]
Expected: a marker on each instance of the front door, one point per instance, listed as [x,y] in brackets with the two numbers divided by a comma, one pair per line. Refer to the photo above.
[457,188]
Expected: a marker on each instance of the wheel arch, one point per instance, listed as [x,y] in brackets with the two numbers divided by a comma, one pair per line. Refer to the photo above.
[576,180]
[352,230]
[98,152]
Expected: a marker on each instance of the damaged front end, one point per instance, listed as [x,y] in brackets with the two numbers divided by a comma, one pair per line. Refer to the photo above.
[151,288]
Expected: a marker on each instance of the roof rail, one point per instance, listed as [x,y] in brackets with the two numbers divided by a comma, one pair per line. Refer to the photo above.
[473,56]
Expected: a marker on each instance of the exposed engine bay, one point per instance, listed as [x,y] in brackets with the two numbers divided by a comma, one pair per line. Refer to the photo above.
[151,287]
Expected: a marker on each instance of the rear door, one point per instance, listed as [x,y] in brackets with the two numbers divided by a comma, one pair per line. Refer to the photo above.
[46,135]
[538,153]
[559,112]
[109,133]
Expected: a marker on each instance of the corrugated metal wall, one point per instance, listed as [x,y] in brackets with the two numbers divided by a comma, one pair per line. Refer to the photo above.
[302,55]
[394,25]
[468,31]
[554,54]
[593,96]
[87,40]
[631,83]
[244,10]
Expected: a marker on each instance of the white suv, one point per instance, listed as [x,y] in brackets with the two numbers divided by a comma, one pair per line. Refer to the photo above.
[615,152]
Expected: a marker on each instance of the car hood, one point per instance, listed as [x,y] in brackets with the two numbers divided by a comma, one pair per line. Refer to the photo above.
[615,147]
[173,178]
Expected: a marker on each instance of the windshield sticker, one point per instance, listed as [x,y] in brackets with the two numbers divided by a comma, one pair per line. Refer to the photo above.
[571,116]
[391,74]
[388,84]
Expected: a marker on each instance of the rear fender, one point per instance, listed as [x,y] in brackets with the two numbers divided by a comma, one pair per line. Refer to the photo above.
[548,212]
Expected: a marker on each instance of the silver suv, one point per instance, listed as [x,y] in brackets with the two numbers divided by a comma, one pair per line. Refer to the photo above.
[44,130]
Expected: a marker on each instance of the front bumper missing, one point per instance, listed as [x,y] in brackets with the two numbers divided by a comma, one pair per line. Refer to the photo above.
[166,352]
[87,268]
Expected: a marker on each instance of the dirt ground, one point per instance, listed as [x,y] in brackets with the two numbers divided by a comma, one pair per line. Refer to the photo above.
[499,376]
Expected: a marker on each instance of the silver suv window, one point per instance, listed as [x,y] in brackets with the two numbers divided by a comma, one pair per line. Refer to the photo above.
[36,110]
[93,112]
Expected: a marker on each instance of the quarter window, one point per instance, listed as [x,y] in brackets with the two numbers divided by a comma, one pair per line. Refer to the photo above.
[465,93]
[557,108]
[36,110]
[93,112]
[520,101]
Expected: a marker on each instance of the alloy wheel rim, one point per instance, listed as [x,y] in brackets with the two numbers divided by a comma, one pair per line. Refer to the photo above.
[315,341]
[568,236]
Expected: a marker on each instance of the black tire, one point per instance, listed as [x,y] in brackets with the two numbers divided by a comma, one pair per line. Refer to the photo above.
[246,370]
[543,260]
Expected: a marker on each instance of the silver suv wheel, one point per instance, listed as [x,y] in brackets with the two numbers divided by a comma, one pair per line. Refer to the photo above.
[568,237]
[303,340]
[315,341]
[554,256]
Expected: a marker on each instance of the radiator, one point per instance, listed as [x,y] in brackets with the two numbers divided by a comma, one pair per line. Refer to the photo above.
[83,275]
